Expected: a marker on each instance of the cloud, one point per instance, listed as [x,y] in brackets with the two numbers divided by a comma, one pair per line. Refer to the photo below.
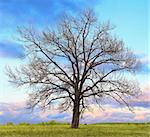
[16,112]
[141,117]
[145,60]
[144,98]
[144,66]
[38,12]
[112,114]
[11,49]
[1,113]
[21,12]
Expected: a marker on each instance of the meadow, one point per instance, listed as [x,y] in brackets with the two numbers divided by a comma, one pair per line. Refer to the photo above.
[64,130]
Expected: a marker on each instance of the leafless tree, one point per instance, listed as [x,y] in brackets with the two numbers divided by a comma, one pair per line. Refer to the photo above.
[75,64]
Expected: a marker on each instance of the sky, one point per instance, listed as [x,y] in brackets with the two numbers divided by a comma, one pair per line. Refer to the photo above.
[131,20]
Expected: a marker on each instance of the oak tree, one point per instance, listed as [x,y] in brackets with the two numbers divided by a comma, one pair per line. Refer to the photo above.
[75,64]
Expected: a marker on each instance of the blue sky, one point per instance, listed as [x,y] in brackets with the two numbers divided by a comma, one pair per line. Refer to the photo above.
[129,16]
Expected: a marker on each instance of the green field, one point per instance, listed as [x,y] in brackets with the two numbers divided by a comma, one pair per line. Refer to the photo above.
[97,130]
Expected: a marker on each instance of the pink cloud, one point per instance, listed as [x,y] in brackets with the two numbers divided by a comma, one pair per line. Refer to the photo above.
[111,113]
[141,113]
[15,107]
[116,114]
[45,114]
[140,117]
[145,96]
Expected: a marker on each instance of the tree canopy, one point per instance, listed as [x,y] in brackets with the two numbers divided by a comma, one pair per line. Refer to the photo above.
[75,64]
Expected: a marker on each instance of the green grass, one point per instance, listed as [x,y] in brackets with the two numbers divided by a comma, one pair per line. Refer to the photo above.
[97,130]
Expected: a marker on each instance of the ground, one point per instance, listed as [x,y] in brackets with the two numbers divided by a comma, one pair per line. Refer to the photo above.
[97,130]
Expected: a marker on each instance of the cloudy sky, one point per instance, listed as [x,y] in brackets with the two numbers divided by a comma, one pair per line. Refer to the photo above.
[131,20]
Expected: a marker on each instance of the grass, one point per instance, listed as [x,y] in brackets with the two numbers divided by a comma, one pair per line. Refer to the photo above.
[97,130]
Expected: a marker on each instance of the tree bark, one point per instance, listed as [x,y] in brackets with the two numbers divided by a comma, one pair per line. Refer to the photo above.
[76,115]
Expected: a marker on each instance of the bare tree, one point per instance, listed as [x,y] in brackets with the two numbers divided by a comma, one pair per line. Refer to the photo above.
[74,65]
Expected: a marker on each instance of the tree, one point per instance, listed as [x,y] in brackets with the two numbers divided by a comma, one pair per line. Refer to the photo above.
[77,64]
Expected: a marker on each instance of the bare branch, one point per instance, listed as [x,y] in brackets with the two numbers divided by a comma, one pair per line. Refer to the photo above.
[77,61]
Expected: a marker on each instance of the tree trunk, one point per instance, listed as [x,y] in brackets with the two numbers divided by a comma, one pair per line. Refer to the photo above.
[76,115]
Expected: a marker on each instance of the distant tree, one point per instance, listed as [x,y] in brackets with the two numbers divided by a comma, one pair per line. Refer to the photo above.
[9,123]
[76,64]
[24,124]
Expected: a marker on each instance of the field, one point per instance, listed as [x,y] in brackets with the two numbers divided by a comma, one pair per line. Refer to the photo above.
[97,130]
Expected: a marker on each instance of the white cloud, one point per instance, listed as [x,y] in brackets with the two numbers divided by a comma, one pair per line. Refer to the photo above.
[1,112]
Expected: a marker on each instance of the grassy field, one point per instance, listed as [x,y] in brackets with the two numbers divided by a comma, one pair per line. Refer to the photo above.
[97,130]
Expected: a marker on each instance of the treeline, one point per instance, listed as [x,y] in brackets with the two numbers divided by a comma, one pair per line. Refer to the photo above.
[52,122]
